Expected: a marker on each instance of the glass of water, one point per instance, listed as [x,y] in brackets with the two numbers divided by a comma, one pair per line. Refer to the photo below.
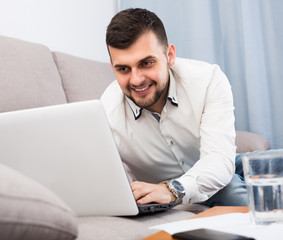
[264,179]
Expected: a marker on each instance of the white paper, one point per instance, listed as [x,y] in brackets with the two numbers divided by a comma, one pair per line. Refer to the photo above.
[237,223]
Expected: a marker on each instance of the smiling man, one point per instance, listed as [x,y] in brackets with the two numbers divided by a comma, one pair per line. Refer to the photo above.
[172,118]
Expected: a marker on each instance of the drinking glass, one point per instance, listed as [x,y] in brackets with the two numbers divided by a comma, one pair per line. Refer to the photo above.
[263,173]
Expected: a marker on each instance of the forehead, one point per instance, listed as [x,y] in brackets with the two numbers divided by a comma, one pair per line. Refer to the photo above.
[146,45]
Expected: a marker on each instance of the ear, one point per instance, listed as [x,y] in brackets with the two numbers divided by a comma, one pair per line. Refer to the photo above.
[111,63]
[171,55]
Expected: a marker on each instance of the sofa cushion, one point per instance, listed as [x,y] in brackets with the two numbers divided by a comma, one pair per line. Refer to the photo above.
[123,228]
[29,211]
[83,79]
[28,76]
[249,142]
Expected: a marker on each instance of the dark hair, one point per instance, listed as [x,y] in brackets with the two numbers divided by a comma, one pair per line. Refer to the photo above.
[128,25]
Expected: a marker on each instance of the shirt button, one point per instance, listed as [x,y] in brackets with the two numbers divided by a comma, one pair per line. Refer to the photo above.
[182,162]
[171,143]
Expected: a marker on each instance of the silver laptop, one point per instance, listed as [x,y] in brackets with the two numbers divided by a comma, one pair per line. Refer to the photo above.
[70,149]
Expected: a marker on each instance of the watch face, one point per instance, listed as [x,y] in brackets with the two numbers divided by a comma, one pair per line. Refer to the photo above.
[177,185]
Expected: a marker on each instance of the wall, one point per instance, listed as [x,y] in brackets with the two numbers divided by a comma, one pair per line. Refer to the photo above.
[76,27]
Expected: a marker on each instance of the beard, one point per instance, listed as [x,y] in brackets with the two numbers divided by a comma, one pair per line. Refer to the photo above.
[146,101]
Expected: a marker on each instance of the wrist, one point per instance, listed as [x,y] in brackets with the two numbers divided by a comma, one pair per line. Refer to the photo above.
[177,189]
[172,196]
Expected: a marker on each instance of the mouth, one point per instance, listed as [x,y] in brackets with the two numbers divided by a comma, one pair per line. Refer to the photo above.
[142,90]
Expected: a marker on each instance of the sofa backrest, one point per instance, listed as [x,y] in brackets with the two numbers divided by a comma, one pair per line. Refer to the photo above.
[28,76]
[82,79]
[32,76]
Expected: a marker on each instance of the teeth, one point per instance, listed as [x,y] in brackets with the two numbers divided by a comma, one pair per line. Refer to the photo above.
[141,89]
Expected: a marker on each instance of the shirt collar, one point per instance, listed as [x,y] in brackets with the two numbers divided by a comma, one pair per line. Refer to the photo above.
[172,93]
[137,111]
[172,96]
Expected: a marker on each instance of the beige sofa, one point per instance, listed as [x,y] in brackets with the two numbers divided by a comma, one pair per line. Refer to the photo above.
[33,76]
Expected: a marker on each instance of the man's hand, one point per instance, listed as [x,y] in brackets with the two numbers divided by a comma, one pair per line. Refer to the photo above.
[146,193]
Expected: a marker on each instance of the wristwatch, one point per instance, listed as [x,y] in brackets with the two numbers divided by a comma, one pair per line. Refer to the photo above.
[177,189]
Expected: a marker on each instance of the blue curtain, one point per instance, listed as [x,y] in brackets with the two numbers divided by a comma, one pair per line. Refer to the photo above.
[246,39]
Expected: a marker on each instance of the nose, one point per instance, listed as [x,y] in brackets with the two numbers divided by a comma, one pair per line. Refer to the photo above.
[137,77]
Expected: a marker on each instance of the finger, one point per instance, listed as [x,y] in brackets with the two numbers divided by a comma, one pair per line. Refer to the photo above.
[156,197]
[140,189]
[146,193]
[157,194]
[145,200]
[134,185]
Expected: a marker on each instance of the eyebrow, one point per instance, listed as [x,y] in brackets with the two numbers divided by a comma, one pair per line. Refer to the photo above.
[139,62]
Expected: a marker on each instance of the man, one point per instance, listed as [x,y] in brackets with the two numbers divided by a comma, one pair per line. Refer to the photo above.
[172,118]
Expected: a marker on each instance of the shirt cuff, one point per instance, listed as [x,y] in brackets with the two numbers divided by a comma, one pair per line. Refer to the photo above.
[193,194]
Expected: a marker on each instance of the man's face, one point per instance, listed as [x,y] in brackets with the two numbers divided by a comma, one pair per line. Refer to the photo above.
[142,71]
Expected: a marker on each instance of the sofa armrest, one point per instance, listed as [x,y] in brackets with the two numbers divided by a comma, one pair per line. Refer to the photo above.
[249,142]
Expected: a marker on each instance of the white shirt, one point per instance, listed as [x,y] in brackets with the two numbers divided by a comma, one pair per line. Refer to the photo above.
[194,140]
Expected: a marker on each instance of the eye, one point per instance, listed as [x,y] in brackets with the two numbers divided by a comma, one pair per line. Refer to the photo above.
[123,69]
[147,64]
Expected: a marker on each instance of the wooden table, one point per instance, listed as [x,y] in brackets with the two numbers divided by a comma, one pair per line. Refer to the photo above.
[208,213]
